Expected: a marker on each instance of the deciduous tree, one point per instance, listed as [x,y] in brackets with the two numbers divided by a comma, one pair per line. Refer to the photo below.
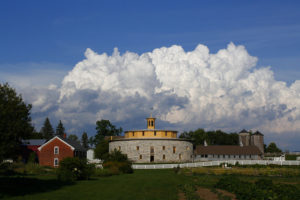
[15,122]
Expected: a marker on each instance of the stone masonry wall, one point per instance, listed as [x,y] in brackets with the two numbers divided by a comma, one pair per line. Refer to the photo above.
[138,150]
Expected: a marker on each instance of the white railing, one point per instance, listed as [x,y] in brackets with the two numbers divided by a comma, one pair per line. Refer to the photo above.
[214,163]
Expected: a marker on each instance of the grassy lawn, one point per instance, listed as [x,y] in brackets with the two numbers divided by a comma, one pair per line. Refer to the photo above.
[142,184]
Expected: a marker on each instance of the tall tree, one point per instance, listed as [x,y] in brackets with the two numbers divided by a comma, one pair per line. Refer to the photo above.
[105,128]
[84,140]
[73,137]
[60,129]
[47,130]
[15,122]
[272,148]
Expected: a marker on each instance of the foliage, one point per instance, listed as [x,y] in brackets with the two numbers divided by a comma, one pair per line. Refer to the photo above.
[211,137]
[19,168]
[101,172]
[73,137]
[189,190]
[117,163]
[261,189]
[15,122]
[32,158]
[47,131]
[272,148]
[60,129]
[71,169]
[101,150]
[291,157]
[84,140]
[253,170]
[105,128]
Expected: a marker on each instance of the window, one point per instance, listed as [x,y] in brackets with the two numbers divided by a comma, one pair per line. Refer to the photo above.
[132,133]
[163,148]
[151,123]
[223,156]
[164,157]
[55,162]
[180,156]
[137,148]
[141,157]
[166,133]
[187,148]
[250,156]
[154,133]
[151,149]
[56,150]
[205,155]
[218,156]
[174,149]
[143,133]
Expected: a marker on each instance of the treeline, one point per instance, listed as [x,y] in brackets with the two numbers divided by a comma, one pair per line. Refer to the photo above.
[217,137]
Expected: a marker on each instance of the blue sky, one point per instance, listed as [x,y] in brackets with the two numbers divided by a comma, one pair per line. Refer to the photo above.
[41,41]
[60,31]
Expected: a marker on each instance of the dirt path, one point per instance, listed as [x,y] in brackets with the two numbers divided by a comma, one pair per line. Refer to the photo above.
[207,194]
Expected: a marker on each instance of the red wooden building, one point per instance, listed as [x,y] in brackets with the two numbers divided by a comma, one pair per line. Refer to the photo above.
[58,148]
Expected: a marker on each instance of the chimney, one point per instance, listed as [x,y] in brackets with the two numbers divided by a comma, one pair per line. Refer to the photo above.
[65,136]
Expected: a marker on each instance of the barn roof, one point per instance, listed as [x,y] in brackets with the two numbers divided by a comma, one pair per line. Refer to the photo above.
[227,150]
[34,142]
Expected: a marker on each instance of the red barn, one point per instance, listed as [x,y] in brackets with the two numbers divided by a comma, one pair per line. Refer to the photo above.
[58,148]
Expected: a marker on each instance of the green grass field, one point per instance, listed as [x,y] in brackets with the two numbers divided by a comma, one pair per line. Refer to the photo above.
[142,184]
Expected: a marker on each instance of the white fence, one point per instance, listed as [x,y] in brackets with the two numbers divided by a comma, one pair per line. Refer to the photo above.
[214,163]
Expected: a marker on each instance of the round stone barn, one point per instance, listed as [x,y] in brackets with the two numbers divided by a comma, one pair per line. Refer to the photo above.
[153,145]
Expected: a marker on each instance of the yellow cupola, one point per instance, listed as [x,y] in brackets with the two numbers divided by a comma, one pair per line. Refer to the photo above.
[150,122]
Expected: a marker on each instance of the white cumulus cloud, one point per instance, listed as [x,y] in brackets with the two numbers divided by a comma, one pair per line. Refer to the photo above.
[188,90]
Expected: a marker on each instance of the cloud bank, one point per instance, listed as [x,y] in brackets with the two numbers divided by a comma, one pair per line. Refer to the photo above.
[187,90]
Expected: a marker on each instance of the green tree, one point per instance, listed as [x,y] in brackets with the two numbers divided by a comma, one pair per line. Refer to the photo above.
[102,150]
[47,131]
[218,137]
[73,137]
[15,122]
[105,128]
[60,129]
[272,148]
[84,140]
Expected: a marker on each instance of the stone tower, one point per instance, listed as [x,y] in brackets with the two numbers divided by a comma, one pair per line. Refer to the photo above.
[244,138]
[257,139]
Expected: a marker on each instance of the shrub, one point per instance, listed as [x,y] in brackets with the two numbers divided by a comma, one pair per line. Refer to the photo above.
[71,169]
[117,163]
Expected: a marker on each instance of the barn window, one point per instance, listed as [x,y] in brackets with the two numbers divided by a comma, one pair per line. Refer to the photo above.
[56,150]
[55,162]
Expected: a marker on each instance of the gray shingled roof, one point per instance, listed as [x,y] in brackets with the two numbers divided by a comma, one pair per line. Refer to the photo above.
[75,144]
[36,142]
